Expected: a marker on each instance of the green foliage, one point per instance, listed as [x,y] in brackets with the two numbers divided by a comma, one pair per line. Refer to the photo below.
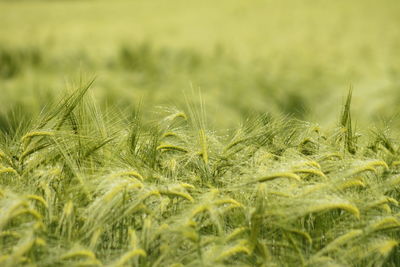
[79,186]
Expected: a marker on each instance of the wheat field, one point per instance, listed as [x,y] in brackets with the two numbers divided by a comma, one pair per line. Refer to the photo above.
[187,133]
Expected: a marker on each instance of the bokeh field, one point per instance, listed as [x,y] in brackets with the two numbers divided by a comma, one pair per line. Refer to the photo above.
[199,133]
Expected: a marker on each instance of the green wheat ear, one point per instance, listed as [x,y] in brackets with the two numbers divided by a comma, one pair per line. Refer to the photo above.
[13,234]
[241,247]
[385,223]
[288,175]
[385,247]
[332,206]
[172,148]
[8,170]
[172,193]
[346,124]
[123,261]
[310,172]
[129,173]
[371,167]
[94,240]
[169,134]
[180,115]
[84,253]
[235,233]
[356,182]
[341,240]
[39,199]
[394,163]
[30,135]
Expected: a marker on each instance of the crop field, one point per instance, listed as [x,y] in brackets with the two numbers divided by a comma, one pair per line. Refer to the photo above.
[199,133]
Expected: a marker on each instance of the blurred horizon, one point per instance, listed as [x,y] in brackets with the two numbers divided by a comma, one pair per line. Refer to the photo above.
[285,57]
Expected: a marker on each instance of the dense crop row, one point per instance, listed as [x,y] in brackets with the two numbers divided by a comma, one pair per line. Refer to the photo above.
[80,185]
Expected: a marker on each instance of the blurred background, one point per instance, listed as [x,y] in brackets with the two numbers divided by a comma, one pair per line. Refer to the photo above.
[290,57]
